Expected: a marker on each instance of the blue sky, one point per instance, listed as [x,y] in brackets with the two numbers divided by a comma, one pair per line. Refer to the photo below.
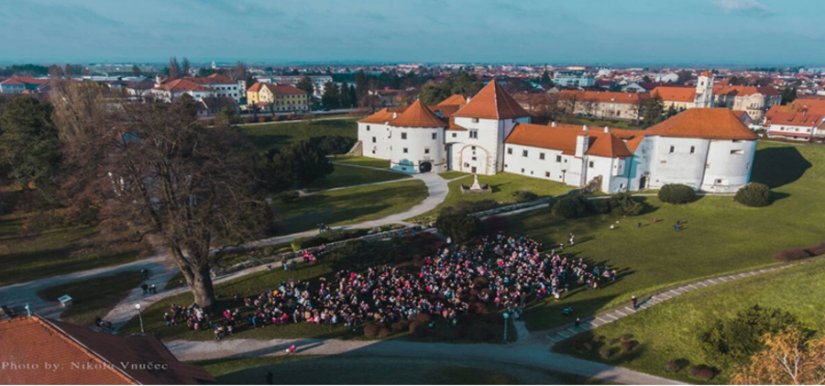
[523,31]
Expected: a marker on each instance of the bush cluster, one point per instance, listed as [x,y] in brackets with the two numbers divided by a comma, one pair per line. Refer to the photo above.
[754,194]
[577,205]
[792,254]
[734,341]
[677,194]
[524,196]
[702,372]
[674,365]
[333,144]
[358,255]
[458,223]
[326,238]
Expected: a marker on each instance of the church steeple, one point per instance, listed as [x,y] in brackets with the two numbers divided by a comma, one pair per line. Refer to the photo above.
[704,90]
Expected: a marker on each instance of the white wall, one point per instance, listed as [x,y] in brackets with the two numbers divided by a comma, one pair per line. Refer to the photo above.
[729,165]
[421,145]
[381,147]
[679,166]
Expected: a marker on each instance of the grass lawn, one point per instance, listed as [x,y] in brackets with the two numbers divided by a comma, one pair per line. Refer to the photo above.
[245,286]
[347,206]
[720,235]
[599,122]
[94,297]
[345,175]
[503,184]
[275,135]
[363,161]
[55,251]
[451,174]
[376,370]
[671,330]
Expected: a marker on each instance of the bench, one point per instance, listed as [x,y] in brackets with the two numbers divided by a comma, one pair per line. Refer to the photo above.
[65,300]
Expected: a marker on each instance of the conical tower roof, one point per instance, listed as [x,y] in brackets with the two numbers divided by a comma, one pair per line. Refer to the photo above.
[418,115]
[492,102]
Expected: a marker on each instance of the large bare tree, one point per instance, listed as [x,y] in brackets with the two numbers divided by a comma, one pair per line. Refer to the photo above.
[158,171]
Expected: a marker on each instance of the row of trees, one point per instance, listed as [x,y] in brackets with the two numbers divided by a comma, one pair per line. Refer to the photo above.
[339,97]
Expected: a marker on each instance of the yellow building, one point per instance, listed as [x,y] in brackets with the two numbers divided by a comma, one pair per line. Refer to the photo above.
[277,97]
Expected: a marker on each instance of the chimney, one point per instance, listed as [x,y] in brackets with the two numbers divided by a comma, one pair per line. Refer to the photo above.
[582,142]
[394,115]
[585,128]
[553,124]
[606,129]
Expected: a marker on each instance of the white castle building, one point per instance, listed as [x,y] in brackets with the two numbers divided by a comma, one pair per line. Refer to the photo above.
[708,149]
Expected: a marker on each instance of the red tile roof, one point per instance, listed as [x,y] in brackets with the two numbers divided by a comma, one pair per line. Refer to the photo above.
[85,356]
[675,93]
[779,116]
[180,85]
[385,115]
[453,100]
[709,123]
[24,80]
[563,137]
[418,115]
[492,102]
[284,89]
[743,90]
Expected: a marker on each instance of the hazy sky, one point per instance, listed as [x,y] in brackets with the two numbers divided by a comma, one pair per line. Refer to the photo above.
[550,31]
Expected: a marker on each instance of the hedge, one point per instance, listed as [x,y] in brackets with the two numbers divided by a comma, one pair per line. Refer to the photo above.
[754,194]
[677,194]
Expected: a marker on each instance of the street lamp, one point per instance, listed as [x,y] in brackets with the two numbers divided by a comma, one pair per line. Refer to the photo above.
[506,316]
[140,317]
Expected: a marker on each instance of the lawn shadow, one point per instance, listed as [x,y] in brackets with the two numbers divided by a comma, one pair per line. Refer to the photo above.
[779,166]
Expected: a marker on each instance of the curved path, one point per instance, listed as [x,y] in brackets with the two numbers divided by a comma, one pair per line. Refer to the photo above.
[530,352]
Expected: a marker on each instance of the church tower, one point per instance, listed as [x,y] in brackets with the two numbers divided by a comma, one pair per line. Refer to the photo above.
[704,90]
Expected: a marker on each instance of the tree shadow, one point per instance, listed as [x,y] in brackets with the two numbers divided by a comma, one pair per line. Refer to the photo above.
[779,166]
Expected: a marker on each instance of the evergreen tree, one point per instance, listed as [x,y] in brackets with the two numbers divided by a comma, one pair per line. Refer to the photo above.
[330,99]
[652,110]
[306,84]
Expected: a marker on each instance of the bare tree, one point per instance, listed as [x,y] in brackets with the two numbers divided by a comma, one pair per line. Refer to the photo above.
[185,67]
[174,68]
[153,169]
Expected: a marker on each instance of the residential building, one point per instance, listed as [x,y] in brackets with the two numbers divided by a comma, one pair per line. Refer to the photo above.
[603,104]
[277,97]
[753,100]
[215,85]
[573,79]
[23,84]
[78,355]
[795,123]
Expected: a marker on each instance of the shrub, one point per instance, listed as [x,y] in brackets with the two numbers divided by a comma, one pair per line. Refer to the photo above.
[333,144]
[628,346]
[677,194]
[734,341]
[792,254]
[289,196]
[606,352]
[524,196]
[600,206]
[674,365]
[494,225]
[571,206]
[458,225]
[754,194]
[371,330]
[702,372]
[626,205]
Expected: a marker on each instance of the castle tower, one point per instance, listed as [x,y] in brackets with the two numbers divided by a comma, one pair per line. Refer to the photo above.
[704,90]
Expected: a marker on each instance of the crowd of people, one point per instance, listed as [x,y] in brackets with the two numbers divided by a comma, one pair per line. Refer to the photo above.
[498,272]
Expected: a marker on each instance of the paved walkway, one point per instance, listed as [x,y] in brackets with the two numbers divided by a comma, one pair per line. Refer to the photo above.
[567,331]
[437,189]
[527,352]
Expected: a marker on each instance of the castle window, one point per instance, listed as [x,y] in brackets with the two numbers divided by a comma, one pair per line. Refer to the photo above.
[403,135]
[591,164]
[692,149]
[737,151]
[509,150]
[406,150]
[368,127]
[524,153]
[474,134]
[426,150]
[373,139]
[547,174]
[672,149]
[435,135]
[558,158]
[455,135]
[541,155]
